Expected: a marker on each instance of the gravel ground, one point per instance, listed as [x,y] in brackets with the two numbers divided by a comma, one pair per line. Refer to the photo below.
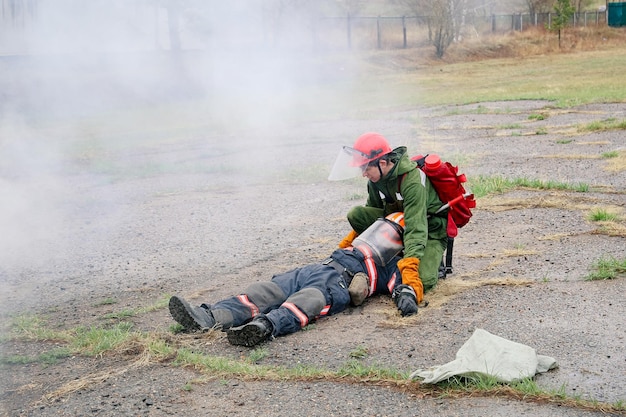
[185,227]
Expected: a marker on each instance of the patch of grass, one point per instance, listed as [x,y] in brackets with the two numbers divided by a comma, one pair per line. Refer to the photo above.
[526,387]
[616,161]
[124,314]
[355,369]
[593,73]
[486,185]
[97,340]
[607,268]
[120,315]
[470,383]
[602,125]
[609,155]
[480,109]
[147,348]
[158,305]
[359,353]
[309,326]
[53,356]
[536,116]
[106,302]
[602,215]
[32,327]
[523,389]
[177,328]
[222,367]
[258,354]
[510,126]
[563,141]
[611,229]
[549,185]
[541,131]
[47,358]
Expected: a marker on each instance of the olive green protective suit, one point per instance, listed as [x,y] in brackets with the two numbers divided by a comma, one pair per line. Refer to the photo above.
[406,188]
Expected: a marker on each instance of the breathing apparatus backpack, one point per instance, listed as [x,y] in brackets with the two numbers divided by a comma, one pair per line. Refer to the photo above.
[448,184]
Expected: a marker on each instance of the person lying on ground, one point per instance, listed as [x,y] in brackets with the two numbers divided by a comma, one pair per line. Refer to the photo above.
[292,300]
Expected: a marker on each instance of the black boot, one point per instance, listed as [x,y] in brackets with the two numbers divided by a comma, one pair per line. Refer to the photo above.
[252,333]
[442,271]
[190,317]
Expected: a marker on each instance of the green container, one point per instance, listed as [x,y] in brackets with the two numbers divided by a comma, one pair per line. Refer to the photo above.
[617,14]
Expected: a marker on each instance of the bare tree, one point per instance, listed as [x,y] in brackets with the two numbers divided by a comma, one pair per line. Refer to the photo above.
[351,7]
[445,19]
[173,9]
[581,5]
[18,10]
[539,6]
[284,17]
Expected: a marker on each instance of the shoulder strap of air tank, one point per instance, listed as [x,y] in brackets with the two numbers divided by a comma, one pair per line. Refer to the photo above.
[419,164]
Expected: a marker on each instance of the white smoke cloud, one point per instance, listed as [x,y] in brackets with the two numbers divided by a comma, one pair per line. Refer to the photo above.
[86,86]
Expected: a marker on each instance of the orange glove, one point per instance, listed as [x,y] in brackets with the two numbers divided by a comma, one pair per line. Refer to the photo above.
[347,241]
[409,268]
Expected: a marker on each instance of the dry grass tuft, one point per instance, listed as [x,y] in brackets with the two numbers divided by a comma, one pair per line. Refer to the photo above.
[82,383]
[506,391]
[555,200]
[559,236]
[141,352]
[594,143]
[610,228]
[518,252]
[444,291]
[534,41]
[617,164]
[570,156]
[450,287]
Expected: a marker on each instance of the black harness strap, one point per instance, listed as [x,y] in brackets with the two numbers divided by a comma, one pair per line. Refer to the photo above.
[345,274]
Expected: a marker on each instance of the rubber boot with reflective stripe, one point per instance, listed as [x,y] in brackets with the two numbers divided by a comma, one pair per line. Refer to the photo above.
[190,317]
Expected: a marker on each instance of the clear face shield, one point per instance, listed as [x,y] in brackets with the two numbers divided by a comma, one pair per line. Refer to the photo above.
[383,239]
[348,164]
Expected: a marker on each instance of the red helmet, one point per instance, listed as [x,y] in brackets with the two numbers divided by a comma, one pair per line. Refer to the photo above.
[368,147]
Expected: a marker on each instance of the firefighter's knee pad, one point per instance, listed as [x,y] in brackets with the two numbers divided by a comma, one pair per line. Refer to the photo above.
[359,288]
[265,295]
[310,301]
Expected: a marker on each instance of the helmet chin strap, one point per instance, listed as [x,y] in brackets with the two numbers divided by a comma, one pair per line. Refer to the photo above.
[379,169]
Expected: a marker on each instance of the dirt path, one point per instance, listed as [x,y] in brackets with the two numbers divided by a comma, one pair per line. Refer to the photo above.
[126,241]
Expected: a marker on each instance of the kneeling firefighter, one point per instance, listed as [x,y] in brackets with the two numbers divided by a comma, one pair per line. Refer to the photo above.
[291,300]
[395,184]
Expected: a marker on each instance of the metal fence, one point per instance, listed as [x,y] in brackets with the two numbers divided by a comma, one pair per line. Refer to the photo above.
[384,32]
[145,26]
